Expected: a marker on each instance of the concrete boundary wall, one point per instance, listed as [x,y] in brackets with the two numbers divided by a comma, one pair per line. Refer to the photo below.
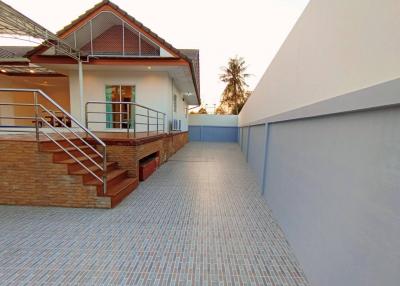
[334,48]
[213,120]
[330,173]
[213,128]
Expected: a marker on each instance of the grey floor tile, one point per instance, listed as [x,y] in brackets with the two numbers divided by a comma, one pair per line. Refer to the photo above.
[199,220]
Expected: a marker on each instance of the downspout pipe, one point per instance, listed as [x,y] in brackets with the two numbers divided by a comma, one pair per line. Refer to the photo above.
[82,104]
[172,106]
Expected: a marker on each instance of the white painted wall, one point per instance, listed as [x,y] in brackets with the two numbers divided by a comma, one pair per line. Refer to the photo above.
[335,47]
[153,89]
[181,108]
[213,120]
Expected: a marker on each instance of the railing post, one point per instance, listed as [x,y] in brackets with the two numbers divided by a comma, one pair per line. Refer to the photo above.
[86,115]
[104,170]
[163,125]
[86,119]
[157,122]
[134,120]
[35,100]
[148,123]
[128,117]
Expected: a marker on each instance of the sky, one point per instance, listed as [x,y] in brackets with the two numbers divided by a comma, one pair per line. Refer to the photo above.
[221,29]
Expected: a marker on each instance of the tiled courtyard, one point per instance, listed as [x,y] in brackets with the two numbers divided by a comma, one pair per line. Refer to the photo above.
[199,220]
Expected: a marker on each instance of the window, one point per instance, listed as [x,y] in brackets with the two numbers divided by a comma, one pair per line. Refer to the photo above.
[117,116]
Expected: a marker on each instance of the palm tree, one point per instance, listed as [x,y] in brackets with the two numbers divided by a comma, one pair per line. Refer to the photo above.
[234,94]
[202,110]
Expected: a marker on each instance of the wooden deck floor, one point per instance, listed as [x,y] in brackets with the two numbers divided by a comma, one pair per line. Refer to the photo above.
[110,138]
[120,136]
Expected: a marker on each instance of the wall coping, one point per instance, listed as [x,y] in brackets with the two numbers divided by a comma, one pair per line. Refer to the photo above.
[379,96]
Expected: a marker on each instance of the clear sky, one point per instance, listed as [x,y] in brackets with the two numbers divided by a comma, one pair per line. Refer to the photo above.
[252,29]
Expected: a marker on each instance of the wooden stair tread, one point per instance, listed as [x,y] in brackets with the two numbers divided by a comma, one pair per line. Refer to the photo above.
[119,185]
[93,168]
[116,189]
[80,158]
[72,148]
[50,145]
[110,176]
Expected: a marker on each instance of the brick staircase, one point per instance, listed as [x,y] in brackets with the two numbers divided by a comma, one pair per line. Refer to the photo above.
[119,185]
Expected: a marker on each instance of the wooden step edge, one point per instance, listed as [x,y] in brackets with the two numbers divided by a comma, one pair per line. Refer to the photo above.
[113,175]
[114,190]
[51,145]
[79,158]
[72,148]
[88,177]
[122,190]
[82,171]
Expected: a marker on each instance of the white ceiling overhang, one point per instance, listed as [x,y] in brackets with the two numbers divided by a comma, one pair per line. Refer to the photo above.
[181,75]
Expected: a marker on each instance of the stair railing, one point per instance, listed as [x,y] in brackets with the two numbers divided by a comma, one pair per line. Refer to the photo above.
[67,133]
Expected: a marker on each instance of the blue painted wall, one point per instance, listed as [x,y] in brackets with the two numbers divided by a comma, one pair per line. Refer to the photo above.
[245,137]
[213,133]
[256,148]
[332,184]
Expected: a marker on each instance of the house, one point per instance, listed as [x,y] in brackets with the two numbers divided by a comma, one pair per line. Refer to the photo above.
[90,150]
[122,61]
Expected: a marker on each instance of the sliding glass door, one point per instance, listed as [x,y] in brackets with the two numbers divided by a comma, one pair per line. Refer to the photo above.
[117,113]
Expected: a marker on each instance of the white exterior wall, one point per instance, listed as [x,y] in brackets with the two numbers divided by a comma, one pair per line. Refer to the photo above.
[153,89]
[335,47]
[181,107]
[213,120]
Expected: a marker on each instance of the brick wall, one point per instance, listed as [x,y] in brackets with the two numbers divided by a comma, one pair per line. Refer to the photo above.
[125,156]
[178,141]
[128,156]
[29,177]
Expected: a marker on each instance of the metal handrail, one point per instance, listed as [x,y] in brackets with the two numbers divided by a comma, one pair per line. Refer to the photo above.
[70,142]
[66,151]
[89,134]
[131,106]
[123,102]
[65,126]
